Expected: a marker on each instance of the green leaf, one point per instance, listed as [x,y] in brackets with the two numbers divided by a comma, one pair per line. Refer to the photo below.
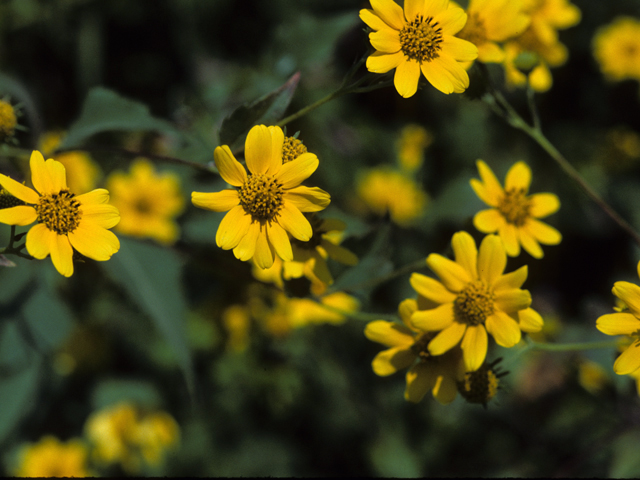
[267,110]
[626,462]
[48,318]
[151,276]
[110,392]
[105,110]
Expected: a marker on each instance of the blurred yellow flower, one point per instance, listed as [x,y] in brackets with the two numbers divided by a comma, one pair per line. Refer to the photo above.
[268,202]
[591,376]
[514,214]
[419,38]
[122,434]
[409,348]
[386,190]
[51,458]
[237,322]
[616,47]
[413,141]
[149,202]
[65,221]
[8,120]
[472,297]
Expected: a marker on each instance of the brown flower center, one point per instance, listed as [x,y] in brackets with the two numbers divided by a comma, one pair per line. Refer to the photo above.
[474,303]
[421,344]
[420,39]
[479,386]
[292,149]
[60,212]
[515,206]
[261,196]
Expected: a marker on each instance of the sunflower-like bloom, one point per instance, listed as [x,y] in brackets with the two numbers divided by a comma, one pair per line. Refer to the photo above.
[65,221]
[493,21]
[514,214]
[51,458]
[419,38]
[625,322]
[408,348]
[268,202]
[616,47]
[474,297]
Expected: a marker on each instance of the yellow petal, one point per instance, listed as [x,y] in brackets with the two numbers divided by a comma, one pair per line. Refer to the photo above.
[474,347]
[385,41]
[94,241]
[461,50]
[389,334]
[216,201]
[452,275]
[406,78]
[510,301]
[450,20]
[420,379]
[62,254]
[246,248]
[509,236]
[98,196]
[445,389]
[20,215]
[629,293]
[280,241]
[493,192]
[39,240]
[540,78]
[518,177]
[105,216]
[629,361]
[447,338]
[529,243]
[437,76]
[490,52]
[390,361]
[431,288]
[383,62]
[488,221]
[294,222]
[277,140]
[492,259]
[390,12]
[340,254]
[258,150]
[530,321]
[512,280]
[228,167]
[543,204]
[465,252]
[406,309]
[542,232]
[18,190]
[307,199]
[618,324]
[232,228]
[263,255]
[291,174]
[434,319]
[47,177]
[372,20]
[413,8]
[505,330]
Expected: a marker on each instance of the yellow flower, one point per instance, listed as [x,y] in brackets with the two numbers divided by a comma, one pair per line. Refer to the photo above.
[625,322]
[474,297]
[514,214]
[492,21]
[386,190]
[51,458]
[237,323]
[329,308]
[156,433]
[148,202]
[616,47]
[268,203]
[549,16]
[414,139]
[591,376]
[65,221]
[419,38]
[409,348]
[8,120]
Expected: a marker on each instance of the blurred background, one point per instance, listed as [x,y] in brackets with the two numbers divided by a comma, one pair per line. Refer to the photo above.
[173,359]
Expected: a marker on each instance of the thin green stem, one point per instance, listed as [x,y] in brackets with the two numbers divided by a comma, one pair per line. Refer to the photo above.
[572,347]
[313,106]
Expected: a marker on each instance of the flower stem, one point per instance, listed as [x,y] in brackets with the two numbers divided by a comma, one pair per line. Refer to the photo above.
[572,347]
[303,111]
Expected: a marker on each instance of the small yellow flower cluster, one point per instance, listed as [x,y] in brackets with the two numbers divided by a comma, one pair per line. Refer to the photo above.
[8,120]
[49,457]
[616,47]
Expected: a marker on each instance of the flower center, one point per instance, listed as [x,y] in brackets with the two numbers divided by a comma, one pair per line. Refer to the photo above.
[479,386]
[474,30]
[7,200]
[60,212]
[420,39]
[261,197]
[474,303]
[421,343]
[292,149]
[515,206]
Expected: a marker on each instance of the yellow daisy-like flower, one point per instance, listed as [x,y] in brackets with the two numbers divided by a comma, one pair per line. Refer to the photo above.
[419,38]
[409,348]
[472,297]
[51,458]
[493,21]
[148,201]
[268,202]
[616,47]
[65,221]
[625,322]
[515,214]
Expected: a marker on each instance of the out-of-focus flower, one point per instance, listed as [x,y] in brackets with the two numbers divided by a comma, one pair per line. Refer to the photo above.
[515,214]
[408,347]
[419,38]
[591,376]
[51,458]
[237,322]
[8,120]
[65,221]
[268,202]
[413,141]
[472,297]
[149,202]
[481,385]
[384,189]
[82,172]
[123,434]
[620,150]
[616,47]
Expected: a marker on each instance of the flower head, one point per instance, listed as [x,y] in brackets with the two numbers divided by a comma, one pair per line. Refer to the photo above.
[473,297]
[514,214]
[148,201]
[8,120]
[65,221]
[267,203]
[52,458]
[414,139]
[616,47]
[419,38]
[481,385]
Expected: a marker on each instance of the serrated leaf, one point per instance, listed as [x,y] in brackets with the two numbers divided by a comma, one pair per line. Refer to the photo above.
[104,110]
[151,277]
[267,110]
